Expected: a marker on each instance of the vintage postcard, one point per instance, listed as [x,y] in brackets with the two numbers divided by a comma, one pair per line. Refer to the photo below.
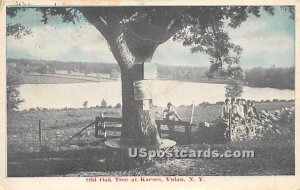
[149,95]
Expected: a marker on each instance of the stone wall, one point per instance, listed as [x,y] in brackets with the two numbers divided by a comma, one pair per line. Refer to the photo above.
[269,122]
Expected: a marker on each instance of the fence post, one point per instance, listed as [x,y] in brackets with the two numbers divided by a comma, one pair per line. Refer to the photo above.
[40,132]
[158,129]
[97,119]
[103,127]
[188,133]
[229,135]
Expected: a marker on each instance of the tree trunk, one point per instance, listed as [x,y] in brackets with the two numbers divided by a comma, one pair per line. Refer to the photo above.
[139,127]
[133,43]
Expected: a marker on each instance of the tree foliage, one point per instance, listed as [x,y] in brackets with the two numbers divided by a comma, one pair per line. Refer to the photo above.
[103,103]
[13,81]
[85,103]
[201,28]
[233,89]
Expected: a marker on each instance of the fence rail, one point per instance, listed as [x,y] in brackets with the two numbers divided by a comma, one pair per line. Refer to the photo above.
[102,125]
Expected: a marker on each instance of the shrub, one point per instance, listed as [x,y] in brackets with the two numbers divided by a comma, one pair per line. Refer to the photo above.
[275,100]
[103,104]
[85,103]
[204,104]
[42,69]
[234,88]
[13,81]
[118,105]
[220,103]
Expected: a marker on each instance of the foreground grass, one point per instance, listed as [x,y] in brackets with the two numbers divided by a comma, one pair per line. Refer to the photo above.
[85,155]
[273,156]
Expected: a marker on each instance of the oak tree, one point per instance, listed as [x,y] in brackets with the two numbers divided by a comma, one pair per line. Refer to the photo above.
[134,33]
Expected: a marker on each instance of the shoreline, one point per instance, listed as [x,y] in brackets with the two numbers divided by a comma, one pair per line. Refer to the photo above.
[71,79]
[156,107]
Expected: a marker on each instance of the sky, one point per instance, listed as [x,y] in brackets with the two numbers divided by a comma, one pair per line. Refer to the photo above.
[266,41]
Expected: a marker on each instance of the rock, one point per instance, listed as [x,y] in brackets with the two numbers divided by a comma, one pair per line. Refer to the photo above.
[277,131]
[264,113]
[88,133]
[206,124]
[273,118]
[74,146]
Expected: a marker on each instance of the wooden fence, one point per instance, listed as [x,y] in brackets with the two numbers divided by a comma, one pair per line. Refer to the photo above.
[104,124]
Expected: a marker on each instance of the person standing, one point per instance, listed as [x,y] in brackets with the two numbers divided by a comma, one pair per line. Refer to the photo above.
[240,109]
[226,109]
[234,107]
[254,109]
[245,108]
[227,115]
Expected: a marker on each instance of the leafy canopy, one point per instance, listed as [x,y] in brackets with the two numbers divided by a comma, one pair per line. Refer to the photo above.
[201,28]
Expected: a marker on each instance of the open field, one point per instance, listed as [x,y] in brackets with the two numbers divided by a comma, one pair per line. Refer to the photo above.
[85,154]
[59,79]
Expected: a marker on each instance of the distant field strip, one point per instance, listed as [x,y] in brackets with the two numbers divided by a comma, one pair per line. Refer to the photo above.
[57,78]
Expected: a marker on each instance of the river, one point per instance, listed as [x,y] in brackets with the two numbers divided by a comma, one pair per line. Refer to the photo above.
[72,95]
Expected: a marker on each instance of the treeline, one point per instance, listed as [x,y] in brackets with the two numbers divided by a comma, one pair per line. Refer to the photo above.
[181,72]
[282,78]
[43,66]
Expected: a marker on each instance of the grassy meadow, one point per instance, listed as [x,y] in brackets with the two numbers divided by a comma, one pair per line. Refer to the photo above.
[84,155]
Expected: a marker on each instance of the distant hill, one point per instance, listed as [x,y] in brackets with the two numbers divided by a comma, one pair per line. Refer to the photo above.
[282,78]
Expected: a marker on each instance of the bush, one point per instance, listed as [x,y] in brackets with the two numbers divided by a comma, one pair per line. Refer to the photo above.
[118,105]
[275,100]
[234,88]
[103,104]
[85,103]
[13,81]
[204,104]
[42,69]
[220,103]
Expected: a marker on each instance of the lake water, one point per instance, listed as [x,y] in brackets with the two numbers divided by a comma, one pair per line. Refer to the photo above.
[179,93]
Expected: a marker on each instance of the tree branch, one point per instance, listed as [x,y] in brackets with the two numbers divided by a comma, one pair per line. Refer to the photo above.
[172,28]
[97,21]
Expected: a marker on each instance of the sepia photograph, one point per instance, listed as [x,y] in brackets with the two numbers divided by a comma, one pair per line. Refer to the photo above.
[155,93]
